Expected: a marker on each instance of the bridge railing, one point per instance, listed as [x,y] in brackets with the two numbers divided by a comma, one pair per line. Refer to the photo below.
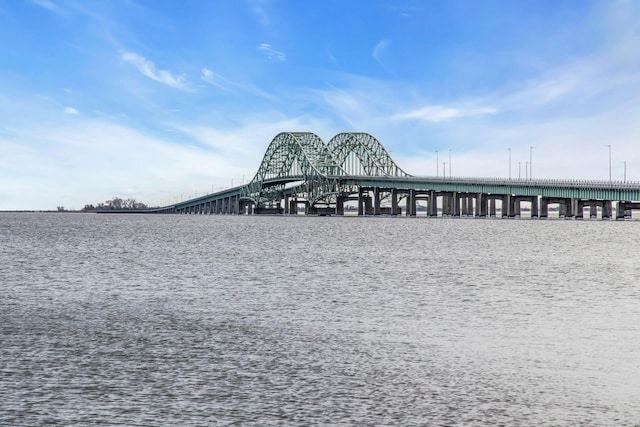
[544,182]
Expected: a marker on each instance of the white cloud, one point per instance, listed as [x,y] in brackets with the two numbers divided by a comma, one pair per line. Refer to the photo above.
[270,52]
[71,111]
[438,113]
[227,85]
[379,50]
[214,79]
[257,8]
[50,6]
[148,69]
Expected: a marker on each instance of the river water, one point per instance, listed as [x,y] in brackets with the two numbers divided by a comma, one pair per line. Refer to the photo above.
[169,320]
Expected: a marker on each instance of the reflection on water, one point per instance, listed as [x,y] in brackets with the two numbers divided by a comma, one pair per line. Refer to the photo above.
[199,320]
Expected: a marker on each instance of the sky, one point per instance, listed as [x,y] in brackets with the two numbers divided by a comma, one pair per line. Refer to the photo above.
[166,100]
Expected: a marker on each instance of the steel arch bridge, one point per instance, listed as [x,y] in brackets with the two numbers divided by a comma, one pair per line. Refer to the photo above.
[300,165]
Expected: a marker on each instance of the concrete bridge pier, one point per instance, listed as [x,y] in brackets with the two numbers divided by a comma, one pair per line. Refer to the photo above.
[562,210]
[368,205]
[516,207]
[432,206]
[456,204]
[340,205]
[411,203]
[606,209]
[376,201]
[619,210]
[593,211]
[579,209]
[360,201]
[444,209]
[394,202]
[492,207]
[467,205]
[481,205]
[534,207]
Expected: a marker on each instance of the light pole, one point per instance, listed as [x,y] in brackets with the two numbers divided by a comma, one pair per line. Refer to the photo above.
[531,162]
[437,164]
[449,163]
[509,163]
[609,145]
[519,167]
[526,170]
[625,170]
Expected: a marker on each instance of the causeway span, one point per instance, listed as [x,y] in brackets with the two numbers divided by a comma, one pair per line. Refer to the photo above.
[300,172]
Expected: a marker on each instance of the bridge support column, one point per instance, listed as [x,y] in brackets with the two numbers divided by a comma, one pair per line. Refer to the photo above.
[368,205]
[620,210]
[606,209]
[572,207]
[492,207]
[465,205]
[339,205]
[481,205]
[360,202]
[562,209]
[432,207]
[593,211]
[456,204]
[506,206]
[411,203]
[394,202]
[287,206]
[448,203]
[376,201]
[516,207]
[534,207]
[579,205]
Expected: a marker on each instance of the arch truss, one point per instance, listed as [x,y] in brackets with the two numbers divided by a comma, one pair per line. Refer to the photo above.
[300,165]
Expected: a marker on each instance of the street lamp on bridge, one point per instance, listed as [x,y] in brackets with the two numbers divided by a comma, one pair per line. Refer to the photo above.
[519,168]
[609,145]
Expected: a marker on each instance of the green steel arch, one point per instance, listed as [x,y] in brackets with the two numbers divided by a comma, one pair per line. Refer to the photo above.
[359,153]
[294,154]
[291,157]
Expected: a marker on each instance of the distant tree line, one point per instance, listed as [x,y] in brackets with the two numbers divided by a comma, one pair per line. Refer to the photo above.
[116,203]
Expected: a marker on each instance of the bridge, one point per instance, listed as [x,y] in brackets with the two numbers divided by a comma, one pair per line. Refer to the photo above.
[301,173]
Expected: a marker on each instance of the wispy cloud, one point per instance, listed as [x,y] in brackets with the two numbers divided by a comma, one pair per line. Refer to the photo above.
[439,113]
[214,79]
[257,7]
[148,69]
[271,52]
[71,111]
[379,50]
[223,83]
[50,6]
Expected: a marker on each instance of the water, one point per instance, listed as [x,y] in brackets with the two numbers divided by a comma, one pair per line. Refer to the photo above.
[202,320]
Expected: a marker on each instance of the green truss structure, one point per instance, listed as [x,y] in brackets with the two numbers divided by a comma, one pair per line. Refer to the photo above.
[300,165]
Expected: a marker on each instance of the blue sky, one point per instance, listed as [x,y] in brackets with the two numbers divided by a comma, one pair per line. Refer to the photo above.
[162,100]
